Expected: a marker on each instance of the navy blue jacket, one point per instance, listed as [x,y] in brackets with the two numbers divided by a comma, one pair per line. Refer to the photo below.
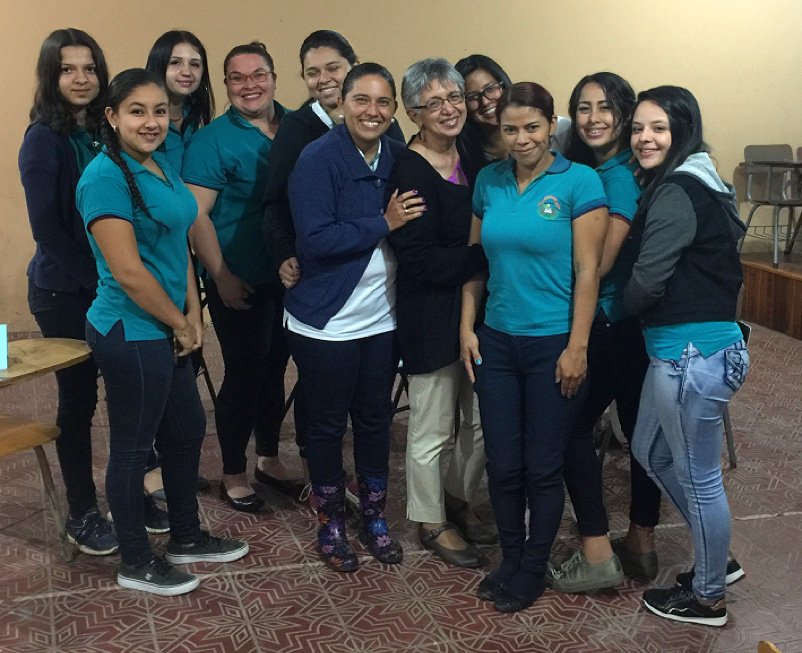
[338,206]
[63,260]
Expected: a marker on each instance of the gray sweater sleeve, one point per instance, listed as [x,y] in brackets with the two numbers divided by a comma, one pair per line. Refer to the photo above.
[669,228]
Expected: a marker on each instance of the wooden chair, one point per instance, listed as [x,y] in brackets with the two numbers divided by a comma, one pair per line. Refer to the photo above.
[19,435]
[767,647]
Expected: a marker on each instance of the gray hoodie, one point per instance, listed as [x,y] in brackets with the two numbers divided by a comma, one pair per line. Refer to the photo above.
[671,228]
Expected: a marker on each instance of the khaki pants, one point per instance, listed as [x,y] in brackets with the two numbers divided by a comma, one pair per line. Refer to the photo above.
[433,400]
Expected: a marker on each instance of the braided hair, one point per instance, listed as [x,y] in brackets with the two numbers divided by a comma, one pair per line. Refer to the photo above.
[120,88]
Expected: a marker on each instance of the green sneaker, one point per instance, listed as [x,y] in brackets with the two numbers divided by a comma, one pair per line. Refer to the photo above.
[578,575]
[207,549]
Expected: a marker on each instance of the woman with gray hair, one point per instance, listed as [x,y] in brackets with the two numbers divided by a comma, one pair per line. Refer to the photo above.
[434,260]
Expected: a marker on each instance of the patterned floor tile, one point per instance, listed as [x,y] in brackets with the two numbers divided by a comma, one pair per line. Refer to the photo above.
[282,599]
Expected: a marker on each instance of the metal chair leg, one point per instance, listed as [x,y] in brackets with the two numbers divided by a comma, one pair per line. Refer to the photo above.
[789,244]
[729,438]
[776,236]
[746,226]
[289,400]
[67,548]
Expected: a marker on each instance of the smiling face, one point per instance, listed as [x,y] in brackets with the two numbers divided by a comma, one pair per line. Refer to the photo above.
[448,120]
[482,109]
[368,110]
[141,121]
[525,132]
[250,98]
[184,71]
[323,72]
[651,135]
[596,122]
[77,82]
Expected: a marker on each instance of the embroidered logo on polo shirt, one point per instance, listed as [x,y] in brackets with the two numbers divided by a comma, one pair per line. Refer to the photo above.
[549,207]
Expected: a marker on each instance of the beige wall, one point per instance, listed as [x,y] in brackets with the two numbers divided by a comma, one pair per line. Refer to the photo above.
[742,59]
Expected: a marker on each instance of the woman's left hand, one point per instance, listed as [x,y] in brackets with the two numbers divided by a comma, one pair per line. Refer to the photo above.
[572,369]
[195,319]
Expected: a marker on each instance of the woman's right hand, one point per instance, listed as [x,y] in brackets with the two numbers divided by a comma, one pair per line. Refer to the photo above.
[233,291]
[290,272]
[469,352]
[403,208]
[185,338]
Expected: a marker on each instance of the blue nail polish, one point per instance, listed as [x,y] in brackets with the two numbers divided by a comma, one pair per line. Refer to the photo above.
[478,361]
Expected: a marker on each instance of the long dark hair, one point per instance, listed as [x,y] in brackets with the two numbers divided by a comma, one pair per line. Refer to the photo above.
[474,62]
[685,122]
[327,38]
[120,88]
[200,104]
[619,96]
[49,105]
[472,137]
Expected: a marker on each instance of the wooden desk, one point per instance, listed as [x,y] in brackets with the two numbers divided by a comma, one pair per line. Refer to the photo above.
[28,359]
[38,356]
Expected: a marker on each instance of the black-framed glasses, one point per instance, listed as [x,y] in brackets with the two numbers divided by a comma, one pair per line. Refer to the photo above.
[454,98]
[257,76]
[491,92]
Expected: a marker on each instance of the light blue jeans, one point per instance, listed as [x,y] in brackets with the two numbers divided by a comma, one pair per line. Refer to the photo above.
[678,439]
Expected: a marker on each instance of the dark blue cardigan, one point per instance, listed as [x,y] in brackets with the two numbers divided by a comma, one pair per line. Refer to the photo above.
[337,205]
[48,168]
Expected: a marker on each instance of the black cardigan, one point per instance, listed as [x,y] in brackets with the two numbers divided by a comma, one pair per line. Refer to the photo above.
[295,132]
[63,260]
[434,261]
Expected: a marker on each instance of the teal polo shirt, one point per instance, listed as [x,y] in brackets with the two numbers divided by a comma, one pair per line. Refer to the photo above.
[85,145]
[668,342]
[176,143]
[230,156]
[103,191]
[622,191]
[528,241]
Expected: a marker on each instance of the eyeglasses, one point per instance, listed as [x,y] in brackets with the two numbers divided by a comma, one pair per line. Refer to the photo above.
[491,92]
[257,77]
[436,103]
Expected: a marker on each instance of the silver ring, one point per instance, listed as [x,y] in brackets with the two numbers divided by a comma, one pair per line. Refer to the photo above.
[406,210]
[404,205]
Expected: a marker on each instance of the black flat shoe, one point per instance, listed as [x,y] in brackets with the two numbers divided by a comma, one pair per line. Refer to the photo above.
[506,601]
[287,486]
[469,557]
[489,589]
[251,503]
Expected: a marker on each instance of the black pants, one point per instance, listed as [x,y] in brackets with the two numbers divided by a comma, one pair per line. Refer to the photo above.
[347,378]
[151,399]
[255,356]
[63,315]
[617,364]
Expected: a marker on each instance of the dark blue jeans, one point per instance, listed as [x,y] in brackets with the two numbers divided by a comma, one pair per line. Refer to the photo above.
[527,424]
[342,378]
[255,355]
[63,315]
[617,364]
[151,398]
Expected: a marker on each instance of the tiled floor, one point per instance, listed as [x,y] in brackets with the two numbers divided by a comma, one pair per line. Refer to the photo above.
[281,599]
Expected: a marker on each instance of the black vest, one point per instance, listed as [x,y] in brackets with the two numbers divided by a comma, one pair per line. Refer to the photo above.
[705,284]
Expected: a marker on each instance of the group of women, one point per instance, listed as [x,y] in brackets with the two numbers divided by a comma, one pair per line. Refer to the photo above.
[509,258]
